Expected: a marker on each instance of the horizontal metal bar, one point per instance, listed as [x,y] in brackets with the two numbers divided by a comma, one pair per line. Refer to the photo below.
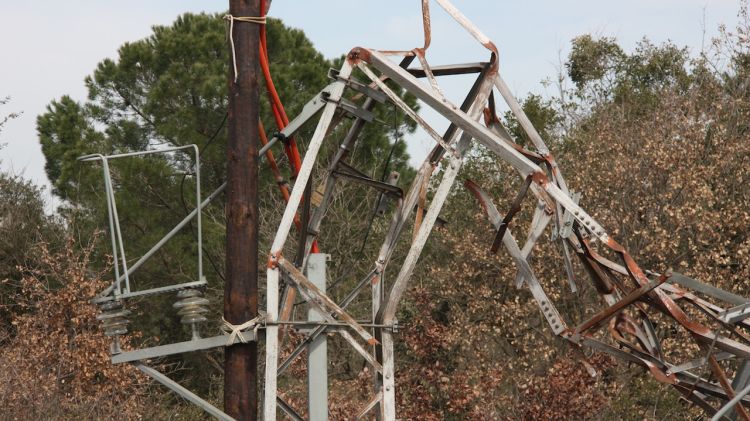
[353,109]
[342,166]
[98,157]
[318,298]
[320,329]
[709,290]
[358,86]
[400,103]
[308,111]
[151,291]
[307,323]
[177,388]
[451,112]
[450,69]
[178,348]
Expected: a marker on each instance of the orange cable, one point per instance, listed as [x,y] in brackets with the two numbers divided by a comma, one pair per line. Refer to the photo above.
[277,107]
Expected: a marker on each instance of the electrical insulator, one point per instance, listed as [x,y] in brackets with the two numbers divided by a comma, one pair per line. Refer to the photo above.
[113,319]
[191,308]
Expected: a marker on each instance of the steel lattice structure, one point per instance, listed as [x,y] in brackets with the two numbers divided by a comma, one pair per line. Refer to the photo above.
[632,297]
[622,286]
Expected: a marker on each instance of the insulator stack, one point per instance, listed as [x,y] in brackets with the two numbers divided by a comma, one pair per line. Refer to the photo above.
[191,308]
[113,319]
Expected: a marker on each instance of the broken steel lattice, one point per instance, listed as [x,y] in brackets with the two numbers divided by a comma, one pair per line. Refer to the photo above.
[623,286]
[632,296]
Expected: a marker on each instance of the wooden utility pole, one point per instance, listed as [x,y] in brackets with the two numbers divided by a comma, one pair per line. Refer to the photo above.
[241,288]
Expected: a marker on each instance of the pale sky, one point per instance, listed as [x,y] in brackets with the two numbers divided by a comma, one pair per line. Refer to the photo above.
[48,47]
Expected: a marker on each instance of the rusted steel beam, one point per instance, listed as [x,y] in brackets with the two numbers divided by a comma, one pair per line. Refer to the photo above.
[598,273]
[574,228]
[635,333]
[610,311]
[726,385]
[515,207]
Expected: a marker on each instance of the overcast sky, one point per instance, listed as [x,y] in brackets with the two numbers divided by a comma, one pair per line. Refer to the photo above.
[48,47]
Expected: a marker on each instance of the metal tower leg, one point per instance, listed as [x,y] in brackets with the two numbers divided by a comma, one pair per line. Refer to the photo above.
[317,350]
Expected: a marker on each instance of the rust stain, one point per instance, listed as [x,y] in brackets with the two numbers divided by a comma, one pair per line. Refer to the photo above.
[426,25]
[540,178]
[274,259]
[357,54]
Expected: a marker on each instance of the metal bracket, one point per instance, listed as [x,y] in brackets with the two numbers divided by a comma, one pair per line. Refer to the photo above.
[349,107]
[358,86]
[387,188]
[566,230]
[735,314]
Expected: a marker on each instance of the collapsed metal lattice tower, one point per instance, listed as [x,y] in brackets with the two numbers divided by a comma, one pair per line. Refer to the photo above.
[573,227]
[631,296]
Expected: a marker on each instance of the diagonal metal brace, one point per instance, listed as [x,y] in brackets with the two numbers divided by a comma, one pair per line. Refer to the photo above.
[697,362]
[288,410]
[514,208]
[177,388]
[321,299]
[345,170]
[610,311]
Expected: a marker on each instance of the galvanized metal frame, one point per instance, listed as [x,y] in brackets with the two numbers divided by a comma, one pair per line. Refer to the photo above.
[272,281]
[116,232]
[276,262]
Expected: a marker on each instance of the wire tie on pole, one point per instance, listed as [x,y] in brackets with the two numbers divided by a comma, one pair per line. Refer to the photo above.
[259,20]
[235,331]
